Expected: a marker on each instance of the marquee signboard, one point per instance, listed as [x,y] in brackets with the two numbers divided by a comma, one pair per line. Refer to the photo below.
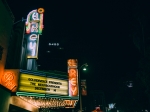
[40,84]
[42,89]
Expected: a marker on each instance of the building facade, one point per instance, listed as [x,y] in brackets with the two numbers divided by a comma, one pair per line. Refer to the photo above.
[16,56]
[6,23]
[23,88]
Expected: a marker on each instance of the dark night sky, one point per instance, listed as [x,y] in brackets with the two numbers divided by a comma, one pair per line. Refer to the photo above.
[96,32]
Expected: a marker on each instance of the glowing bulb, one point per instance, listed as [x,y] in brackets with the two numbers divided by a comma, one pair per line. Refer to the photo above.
[84,69]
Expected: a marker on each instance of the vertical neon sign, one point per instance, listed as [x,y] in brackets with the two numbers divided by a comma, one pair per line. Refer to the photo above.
[34,27]
[73,77]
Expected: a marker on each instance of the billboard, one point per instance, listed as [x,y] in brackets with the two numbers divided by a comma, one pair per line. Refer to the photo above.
[10,79]
[41,84]
[73,77]
[34,27]
[83,88]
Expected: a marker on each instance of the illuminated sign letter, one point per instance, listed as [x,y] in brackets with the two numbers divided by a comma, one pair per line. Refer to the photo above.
[35,16]
[35,21]
[32,46]
[34,27]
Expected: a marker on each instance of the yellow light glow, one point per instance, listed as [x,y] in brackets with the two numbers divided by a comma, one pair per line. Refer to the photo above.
[39,84]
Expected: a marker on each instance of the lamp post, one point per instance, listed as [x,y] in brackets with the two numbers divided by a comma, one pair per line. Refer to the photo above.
[80,97]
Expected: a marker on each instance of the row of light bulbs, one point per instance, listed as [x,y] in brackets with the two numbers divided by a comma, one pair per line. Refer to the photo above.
[44,102]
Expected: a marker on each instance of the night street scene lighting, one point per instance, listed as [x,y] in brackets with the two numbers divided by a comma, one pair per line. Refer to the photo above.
[37,38]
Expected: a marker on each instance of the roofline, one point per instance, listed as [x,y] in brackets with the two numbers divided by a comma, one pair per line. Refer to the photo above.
[8,9]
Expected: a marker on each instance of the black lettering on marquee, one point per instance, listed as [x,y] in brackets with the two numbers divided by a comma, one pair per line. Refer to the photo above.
[40,88]
[48,85]
[37,80]
[52,82]
[55,90]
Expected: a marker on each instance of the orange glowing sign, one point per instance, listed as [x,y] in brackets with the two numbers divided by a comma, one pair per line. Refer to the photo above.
[73,77]
[70,103]
[10,79]
[40,10]
[72,63]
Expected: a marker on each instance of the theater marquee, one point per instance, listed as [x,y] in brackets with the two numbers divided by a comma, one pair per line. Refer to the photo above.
[40,84]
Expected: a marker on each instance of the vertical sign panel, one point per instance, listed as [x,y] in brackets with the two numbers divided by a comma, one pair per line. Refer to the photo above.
[34,27]
[73,77]
[83,88]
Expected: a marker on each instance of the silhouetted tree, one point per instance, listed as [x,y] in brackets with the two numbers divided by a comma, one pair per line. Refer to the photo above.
[141,39]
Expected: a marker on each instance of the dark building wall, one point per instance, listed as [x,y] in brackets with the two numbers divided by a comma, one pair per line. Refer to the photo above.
[16,57]
[4,99]
[6,22]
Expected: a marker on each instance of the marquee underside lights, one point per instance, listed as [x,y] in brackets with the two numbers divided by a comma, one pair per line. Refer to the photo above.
[46,95]
[49,102]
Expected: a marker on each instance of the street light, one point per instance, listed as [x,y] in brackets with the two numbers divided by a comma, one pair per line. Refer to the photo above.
[80,97]
[84,69]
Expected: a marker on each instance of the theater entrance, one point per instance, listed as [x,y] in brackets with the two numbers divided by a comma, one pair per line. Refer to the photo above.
[13,108]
